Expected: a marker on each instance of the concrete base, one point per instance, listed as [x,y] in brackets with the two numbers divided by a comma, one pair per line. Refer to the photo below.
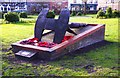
[88,35]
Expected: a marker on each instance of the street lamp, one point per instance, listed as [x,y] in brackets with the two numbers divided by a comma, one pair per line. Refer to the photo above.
[85,3]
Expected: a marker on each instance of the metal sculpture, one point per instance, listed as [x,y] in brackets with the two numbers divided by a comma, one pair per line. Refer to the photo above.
[59,26]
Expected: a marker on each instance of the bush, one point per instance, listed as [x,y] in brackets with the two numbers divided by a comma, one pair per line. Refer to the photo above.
[73,13]
[23,15]
[79,14]
[118,13]
[115,13]
[109,12]
[50,14]
[100,14]
[11,17]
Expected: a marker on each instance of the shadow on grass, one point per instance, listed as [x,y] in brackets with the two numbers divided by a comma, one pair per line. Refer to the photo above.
[90,48]
[76,61]
[89,57]
[24,24]
[71,55]
[78,52]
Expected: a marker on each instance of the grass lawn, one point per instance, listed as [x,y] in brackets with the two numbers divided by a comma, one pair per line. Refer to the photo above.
[104,60]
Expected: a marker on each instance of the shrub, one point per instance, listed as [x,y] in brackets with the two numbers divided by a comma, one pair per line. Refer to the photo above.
[118,13]
[11,17]
[73,13]
[109,12]
[50,14]
[100,14]
[23,15]
[79,14]
[115,13]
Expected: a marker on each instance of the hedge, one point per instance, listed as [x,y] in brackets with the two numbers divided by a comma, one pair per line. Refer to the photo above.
[11,17]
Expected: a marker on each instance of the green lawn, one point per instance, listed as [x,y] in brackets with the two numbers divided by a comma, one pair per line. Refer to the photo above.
[104,60]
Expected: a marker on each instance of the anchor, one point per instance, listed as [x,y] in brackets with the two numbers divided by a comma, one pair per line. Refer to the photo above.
[59,26]
[87,34]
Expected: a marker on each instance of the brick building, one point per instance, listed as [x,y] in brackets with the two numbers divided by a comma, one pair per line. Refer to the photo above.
[32,5]
[78,5]
[10,5]
[37,5]
[114,4]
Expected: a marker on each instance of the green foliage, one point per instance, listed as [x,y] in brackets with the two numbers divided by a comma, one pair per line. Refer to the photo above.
[79,14]
[73,13]
[100,14]
[118,13]
[104,72]
[50,14]
[23,15]
[109,12]
[115,13]
[11,17]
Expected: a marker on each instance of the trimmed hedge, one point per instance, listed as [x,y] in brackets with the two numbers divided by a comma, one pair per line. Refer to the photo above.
[11,17]
[23,15]
[79,14]
[115,13]
[73,13]
[118,13]
[101,14]
[109,12]
[50,14]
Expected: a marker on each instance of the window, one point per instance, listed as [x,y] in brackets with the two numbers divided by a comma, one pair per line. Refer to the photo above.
[59,3]
[1,8]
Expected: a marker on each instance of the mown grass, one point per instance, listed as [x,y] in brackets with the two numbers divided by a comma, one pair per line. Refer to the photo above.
[102,61]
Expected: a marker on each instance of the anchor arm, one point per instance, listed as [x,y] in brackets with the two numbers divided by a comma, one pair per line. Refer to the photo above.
[71,31]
